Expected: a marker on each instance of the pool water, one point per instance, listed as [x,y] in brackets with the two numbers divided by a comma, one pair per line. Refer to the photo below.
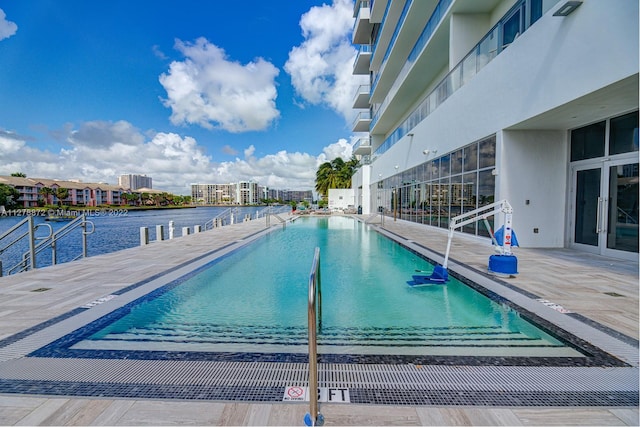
[255,300]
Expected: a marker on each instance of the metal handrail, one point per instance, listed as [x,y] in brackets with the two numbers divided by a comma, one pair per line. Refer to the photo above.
[371,217]
[274,211]
[30,232]
[51,241]
[314,418]
[210,224]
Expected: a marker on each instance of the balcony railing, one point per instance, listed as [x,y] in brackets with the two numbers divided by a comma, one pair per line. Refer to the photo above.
[362,147]
[483,53]
[362,26]
[428,30]
[361,100]
[362,122]
[362,61]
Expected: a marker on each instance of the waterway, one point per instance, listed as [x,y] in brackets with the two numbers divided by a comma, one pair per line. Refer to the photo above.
[115,229]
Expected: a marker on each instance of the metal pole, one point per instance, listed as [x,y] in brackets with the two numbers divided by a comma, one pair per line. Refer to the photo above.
[84,237]
[32,242]
[313,418]
[395,204]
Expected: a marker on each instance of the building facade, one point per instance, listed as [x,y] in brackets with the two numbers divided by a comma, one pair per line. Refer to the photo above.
[533,101]
[240,193]
[244,193]
[79,193]
[288,195]
[134,182]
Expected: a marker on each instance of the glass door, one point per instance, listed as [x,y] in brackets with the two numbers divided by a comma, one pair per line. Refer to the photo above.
[605,208]
[621,226]
[587,207]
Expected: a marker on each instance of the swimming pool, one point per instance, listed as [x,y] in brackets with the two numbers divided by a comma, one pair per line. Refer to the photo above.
[254,301]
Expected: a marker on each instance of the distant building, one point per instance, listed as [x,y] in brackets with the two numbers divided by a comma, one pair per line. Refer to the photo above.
[243,193]
[240,193]
[134,182]
[288,195]
[80,193]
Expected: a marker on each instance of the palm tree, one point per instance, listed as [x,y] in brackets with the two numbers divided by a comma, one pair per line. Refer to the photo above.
[47,193]
[61,194]
[335,174]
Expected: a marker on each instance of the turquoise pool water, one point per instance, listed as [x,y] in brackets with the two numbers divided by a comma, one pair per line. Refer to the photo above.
[255,300]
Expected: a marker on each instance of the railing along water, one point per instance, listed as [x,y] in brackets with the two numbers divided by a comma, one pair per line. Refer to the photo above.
[314,418]
[30,232]
[29,258]
[218,221]
[87,228]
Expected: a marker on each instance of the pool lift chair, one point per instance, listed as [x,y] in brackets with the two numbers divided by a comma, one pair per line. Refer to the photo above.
[504,263]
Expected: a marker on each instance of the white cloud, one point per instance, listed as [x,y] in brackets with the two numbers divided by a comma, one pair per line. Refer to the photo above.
[101,151]
[7,28]
[97,134]
[321,67]
[212,91]
[10,143]
[341,148]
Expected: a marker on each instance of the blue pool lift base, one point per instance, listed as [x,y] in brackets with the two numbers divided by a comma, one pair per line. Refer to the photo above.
[503,265]
[439,276]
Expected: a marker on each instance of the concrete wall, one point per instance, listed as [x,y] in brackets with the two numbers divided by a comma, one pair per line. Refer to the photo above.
[533,178]
[341,198]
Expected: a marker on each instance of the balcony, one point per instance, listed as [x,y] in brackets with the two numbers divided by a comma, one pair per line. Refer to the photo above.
[362,26]
[362,147]
[362,122]
[363,59]
[361,100]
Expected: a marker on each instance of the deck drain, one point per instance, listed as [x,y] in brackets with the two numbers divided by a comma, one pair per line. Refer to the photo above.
[41,290]
[613,294]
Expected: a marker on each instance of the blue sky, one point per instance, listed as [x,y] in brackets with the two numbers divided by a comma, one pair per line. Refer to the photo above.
[182,91]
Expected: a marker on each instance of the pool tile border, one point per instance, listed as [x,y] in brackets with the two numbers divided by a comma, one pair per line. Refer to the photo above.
[388,396]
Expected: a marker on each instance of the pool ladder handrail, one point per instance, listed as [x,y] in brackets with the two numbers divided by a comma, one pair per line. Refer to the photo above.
[314,418]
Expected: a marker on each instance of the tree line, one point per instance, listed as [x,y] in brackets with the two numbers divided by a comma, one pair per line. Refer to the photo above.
[9,197]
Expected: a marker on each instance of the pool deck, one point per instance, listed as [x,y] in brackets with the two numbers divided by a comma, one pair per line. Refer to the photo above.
[598,290]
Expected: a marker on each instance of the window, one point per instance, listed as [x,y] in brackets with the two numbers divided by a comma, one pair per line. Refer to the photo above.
[439,189]
[623,134]
[511,28]
[588,142]
[487,148]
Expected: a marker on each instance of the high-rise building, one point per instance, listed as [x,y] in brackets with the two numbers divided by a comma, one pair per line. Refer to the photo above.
[133,182]
[240,193]
[532,101]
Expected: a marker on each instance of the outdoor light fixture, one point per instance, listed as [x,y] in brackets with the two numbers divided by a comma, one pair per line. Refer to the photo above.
[567,8]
